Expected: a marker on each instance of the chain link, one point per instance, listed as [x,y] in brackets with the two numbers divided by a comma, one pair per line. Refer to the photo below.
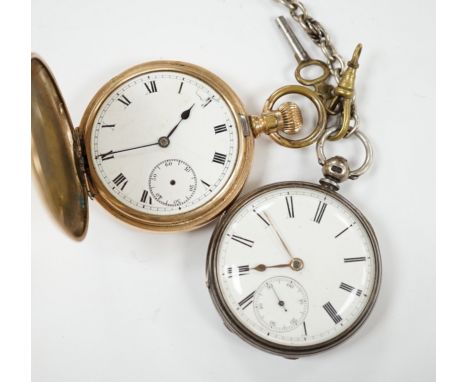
[321,38]
[318,34]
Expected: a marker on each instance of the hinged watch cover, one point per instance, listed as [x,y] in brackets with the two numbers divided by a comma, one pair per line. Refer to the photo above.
[55,154]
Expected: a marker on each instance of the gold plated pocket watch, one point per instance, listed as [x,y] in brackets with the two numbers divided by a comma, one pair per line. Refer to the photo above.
[165,146]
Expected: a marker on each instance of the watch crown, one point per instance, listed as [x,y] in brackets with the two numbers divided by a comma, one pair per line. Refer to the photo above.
[288,119]
[292,117]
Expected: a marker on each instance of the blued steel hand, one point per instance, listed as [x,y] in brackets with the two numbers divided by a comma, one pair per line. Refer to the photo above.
[184,115]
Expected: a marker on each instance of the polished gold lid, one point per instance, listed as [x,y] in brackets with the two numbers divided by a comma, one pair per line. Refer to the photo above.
[55,154]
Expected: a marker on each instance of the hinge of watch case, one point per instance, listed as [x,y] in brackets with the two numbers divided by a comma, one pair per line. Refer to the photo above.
[82,163]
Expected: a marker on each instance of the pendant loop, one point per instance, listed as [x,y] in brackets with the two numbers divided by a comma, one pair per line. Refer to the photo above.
[353,174]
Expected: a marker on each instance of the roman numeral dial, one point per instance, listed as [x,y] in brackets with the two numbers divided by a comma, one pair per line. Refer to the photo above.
[296,265]
[172,120]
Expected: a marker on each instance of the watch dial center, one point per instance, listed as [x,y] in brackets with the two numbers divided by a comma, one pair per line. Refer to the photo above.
[164,142]
[297,264]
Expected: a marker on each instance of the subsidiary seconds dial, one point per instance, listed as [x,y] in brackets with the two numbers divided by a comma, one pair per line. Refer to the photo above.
[281,304]
[172,182]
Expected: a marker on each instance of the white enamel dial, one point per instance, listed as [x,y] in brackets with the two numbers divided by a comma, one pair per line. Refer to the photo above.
[296,266]
[164,143]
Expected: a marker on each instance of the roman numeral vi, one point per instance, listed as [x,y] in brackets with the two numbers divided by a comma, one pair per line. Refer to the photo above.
[145,197]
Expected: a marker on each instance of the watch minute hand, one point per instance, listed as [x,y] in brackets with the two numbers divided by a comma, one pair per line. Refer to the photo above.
[112,152]
[278,235]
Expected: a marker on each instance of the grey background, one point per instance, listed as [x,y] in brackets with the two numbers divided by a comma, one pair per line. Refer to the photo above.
[128,305]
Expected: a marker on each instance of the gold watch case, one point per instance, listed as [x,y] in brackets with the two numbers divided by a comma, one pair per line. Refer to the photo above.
[55,153]
[63,164]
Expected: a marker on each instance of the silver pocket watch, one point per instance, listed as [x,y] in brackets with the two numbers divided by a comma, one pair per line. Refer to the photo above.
[294,268]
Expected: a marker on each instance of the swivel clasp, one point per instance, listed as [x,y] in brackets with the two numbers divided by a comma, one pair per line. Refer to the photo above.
[344,95]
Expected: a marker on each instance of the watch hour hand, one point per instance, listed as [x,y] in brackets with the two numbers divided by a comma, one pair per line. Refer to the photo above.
[295,264]
[183,116]
[263,267]
[186,113]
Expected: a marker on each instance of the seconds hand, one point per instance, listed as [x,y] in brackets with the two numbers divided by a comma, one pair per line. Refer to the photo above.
[280,302]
